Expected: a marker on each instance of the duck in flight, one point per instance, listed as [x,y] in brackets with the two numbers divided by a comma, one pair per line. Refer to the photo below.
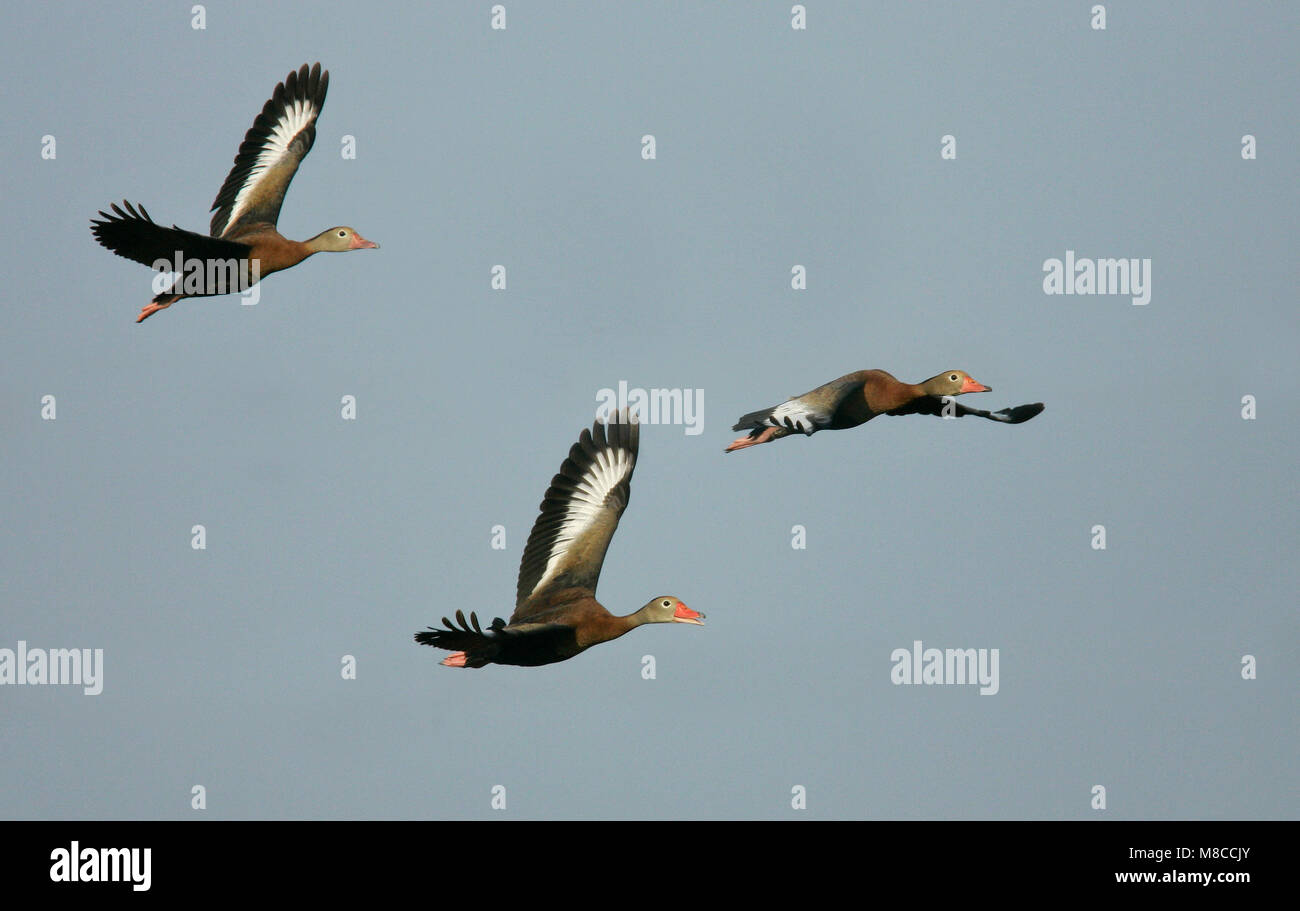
[244,245]
[856,398]
[556,613]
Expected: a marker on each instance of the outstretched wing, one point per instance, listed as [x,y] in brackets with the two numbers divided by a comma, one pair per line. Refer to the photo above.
[579,513]
[806,413]
[273,147]
[933,404]
[136,236]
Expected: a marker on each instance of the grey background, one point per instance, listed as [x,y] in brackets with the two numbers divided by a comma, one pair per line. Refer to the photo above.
[775,147]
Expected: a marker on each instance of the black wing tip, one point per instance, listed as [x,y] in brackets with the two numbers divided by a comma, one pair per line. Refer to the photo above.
[451,635]
[624,415]
[1022,413]
[309,81]
[620,429]
[132,213]
[434,635]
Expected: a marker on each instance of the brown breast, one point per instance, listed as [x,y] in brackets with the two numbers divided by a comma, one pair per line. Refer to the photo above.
[275,252]
[578,608]
[881,392]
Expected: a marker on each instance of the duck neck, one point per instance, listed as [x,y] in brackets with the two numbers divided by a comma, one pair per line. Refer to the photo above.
[634,619]
[932,386]
[597,628]
[313,245]
[613,627]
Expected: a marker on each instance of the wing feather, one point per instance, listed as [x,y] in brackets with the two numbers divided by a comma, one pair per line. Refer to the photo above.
[580,512]
[933,405]
[273,147]
[131,233]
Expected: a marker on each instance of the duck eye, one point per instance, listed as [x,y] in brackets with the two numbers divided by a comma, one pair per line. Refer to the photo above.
[343,234]
[668,603]
[953,377]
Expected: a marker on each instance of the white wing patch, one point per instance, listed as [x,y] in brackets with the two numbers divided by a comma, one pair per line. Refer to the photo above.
[798,414]
[295,118]
[609,469]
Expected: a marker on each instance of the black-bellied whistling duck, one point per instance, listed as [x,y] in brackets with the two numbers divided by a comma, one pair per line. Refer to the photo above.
[556,612]
[858,397]
[244,246]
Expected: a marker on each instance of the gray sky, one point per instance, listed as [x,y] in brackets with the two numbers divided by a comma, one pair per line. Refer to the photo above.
[1118,667]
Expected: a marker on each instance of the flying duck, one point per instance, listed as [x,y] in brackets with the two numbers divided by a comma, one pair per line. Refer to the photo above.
[244,245]
[556,613]
[856,398]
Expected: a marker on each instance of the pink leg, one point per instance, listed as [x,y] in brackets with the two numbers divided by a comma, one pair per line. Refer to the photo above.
[154,308]
[747,441]
[455,660]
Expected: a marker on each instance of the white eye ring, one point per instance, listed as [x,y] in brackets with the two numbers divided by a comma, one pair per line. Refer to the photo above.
[667,603]
[343,234]
[953,377]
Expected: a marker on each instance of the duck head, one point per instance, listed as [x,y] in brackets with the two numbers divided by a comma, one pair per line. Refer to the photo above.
[953,382]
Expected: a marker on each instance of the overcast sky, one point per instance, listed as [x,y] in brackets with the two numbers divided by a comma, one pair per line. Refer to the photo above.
[774,147]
